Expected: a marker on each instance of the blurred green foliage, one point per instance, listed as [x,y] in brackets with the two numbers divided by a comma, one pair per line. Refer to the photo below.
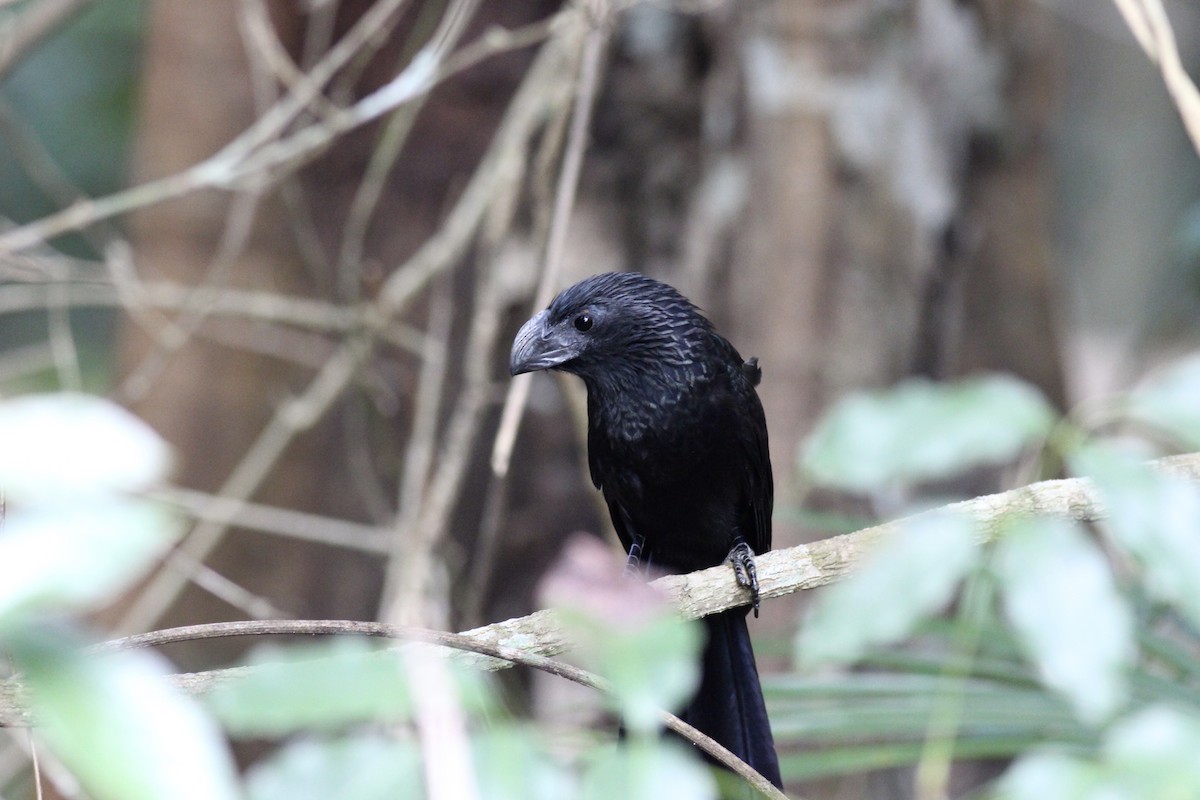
[74,535]
[74,97]
[1065,645]
[67,119]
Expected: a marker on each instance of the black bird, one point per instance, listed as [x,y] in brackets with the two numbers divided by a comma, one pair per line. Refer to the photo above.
[677,443]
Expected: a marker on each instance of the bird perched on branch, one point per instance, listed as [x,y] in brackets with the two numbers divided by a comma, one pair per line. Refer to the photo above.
[677,443]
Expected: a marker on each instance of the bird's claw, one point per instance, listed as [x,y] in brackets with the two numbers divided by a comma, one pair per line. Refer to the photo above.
[633,561]
[741,558]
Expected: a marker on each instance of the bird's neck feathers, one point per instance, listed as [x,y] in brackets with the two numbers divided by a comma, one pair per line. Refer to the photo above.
[641,390]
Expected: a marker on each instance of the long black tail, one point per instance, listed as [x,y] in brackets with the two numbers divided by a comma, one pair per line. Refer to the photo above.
[729,705]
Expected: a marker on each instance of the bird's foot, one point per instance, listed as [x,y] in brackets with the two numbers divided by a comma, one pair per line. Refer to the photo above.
[633,561]
[741,558]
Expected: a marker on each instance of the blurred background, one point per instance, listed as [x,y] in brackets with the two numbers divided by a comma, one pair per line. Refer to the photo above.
[318,316]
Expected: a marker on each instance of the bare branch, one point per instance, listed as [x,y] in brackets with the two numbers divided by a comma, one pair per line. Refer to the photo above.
[568,180]
[293,416]
[62,339]
[422,444]
[279,521]
[239,222]
[541,635]
[1152,28]
[534,639]
[409,572]
[256,155]
[33,26]
[260,306]
[542,88]
[501,655]
[366,198]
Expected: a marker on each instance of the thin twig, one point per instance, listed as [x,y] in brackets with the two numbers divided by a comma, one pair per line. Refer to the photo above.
[1152,28]
[66,785]
[390,143]
[29,153]
[298,348]
[255,155]
[531,640]
[780,572]
[587,85]
[239,222]
[237,596]
[292,417]
[269,62]
[269,59]
[500,655]
[541,193]
[366,198]
[442,730]
[278,521]
[62,340]
[372,28]
[37,766]
[543,89]
[501,167]
[256,305]
[32,27]
[412,570]
[318,32]
[130,291]
[395,134]
[419,452]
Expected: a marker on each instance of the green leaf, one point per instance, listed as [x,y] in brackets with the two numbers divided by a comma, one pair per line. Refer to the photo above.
[327,686]
[900,707]
[312,687]
[856,759]
[1042,776]
[1149,756]
[1169,400]
[80,555]
[1157,749]
[912,575]
[1061,598]
[651,666]
[363,767]
[61,446]
[120,727]
[1153,516]
[646,769]
[512,764]
[921,431]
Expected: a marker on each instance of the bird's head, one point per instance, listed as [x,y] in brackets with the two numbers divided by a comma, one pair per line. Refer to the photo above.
[614,321]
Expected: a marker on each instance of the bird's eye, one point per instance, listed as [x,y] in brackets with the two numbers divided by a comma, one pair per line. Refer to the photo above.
[583,323]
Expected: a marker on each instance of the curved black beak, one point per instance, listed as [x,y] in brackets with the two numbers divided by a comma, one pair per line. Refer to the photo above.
[536,347]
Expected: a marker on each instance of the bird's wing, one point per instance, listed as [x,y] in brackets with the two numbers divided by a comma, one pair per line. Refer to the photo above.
[596,459]
[599,465]
[620,520]
[762,492]
[758,486]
